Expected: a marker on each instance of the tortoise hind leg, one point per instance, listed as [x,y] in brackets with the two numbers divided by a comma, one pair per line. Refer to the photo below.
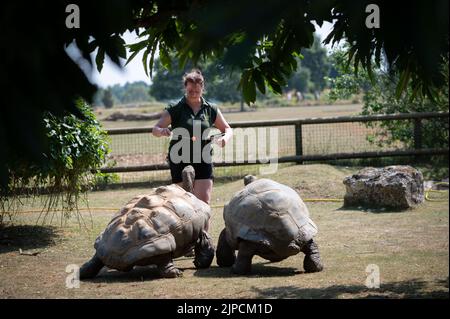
[168,270]
[91,268]
[225,254]
[243,263]
[312,262]
[204,251]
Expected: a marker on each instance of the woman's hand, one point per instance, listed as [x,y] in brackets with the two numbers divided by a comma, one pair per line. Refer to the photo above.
[223,140]
[225,128]
[220,141]
[161,131]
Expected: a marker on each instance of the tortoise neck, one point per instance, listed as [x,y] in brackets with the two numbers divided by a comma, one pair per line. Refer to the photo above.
[188,180]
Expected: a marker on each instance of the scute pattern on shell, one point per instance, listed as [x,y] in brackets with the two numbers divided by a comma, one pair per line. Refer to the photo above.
[167,220]
[268,213]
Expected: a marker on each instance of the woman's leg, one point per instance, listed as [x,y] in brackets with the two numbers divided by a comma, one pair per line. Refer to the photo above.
[203,189]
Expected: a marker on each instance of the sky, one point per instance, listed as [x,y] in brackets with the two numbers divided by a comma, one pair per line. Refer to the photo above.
[134,71]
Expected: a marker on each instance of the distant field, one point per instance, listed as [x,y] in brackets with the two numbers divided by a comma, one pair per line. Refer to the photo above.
[266,113]
[144,149]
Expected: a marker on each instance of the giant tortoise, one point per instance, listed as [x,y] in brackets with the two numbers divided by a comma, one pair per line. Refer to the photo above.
[270,220]
[155,228]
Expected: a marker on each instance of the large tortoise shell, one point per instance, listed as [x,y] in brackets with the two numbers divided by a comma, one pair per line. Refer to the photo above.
[268,213]
[168,220]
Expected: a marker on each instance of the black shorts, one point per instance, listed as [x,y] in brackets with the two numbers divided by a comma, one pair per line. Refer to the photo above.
[202,171]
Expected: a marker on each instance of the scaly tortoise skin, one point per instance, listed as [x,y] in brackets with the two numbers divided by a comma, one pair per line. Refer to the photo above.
[154,228]
[270,220]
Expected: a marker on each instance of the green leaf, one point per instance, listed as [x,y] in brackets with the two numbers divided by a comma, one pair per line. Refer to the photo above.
[135,48]
[244,78]
[274,86]
[100,58]
[144,61]
[182,60]
[248,87]
[250,90]
[138,45]
[119,45]
[259,81]
[152,57]
[164,58]
[350,54]
[370,74]
[132,56]
[403,82]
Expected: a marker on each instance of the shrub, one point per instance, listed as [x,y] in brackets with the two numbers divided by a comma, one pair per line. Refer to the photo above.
[380,96]
[77,147]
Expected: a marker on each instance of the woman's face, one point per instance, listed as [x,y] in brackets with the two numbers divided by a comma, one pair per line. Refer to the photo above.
[193,90]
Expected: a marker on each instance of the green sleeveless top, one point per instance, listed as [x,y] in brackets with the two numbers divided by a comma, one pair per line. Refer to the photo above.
[182,116]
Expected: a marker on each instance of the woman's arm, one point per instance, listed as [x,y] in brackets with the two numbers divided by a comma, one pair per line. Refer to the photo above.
[160,129]
[223,127]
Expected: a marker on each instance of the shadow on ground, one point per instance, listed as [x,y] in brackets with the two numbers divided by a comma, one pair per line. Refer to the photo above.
[146,273]
[258,270]
[373,210]
[403,289]
[137,274]
[27,237]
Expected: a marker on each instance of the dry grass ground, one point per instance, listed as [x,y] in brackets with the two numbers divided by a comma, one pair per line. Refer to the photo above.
[410,248]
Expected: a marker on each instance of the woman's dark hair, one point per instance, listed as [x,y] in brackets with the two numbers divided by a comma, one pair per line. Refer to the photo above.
[195,76]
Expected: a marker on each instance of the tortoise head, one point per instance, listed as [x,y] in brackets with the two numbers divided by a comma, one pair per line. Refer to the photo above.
[188,175]
[248,179]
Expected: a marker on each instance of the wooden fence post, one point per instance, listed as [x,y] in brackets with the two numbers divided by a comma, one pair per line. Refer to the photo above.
[417,133]
[418,137]
[298,141]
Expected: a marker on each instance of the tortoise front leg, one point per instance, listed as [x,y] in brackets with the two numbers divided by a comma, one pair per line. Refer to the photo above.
[91,268]
[204,251]
[243,264]
[168,270]
[312,262]
[225,254]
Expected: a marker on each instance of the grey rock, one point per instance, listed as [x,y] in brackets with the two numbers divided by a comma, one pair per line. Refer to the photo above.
[394,187]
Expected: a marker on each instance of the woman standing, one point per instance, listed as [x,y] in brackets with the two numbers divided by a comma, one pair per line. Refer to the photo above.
[194,115]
